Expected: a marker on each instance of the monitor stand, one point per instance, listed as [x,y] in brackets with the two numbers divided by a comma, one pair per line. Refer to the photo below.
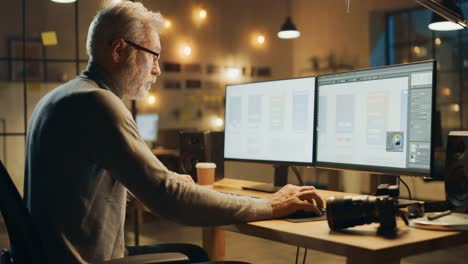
[281,179]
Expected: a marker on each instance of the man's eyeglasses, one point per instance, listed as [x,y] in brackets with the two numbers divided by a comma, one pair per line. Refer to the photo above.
[154,53]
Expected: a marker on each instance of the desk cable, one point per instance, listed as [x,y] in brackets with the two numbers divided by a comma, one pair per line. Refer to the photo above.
[298,175]
[297,255]
[406,185]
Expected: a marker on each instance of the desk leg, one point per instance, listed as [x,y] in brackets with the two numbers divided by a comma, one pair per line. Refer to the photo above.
[214,243]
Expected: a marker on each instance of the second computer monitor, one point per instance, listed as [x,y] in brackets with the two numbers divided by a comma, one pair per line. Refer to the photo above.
[270,121]
[377,120]
[147,125]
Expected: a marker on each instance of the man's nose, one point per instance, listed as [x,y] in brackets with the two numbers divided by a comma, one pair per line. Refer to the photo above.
[156,69]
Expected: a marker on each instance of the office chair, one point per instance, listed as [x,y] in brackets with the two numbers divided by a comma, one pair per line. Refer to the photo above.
[26,246]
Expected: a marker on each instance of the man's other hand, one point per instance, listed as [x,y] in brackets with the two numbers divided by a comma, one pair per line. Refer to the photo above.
[292,198]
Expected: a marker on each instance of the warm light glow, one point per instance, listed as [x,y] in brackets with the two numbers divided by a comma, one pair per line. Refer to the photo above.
[437,41]
[199,15]
[186,50]
[444,26]
[63,1]
[167,23]
[233,73]
[261,39]
[455,108]
[151,99]
[202,14]
[446,91]
[257,40]
[218,122]
[420,51]
[465,63]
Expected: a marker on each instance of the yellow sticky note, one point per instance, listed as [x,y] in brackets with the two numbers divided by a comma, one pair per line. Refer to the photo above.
[49,38]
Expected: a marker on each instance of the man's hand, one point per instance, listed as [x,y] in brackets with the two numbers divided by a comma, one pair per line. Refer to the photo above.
[183,177]
[292,198]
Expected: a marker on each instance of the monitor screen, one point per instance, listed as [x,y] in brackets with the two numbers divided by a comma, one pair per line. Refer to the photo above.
[270,121]
[377,120]
[147,125]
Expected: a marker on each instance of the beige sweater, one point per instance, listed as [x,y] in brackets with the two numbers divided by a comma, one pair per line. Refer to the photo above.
[83,153]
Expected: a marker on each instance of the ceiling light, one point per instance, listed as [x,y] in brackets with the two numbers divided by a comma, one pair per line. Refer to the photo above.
[455,108]
[233,73]
[218,122]
[447,15]
[439,23]
[186,50]
[151,99]
[288,30]
[63,1]
[202,14]
[261,39]
[446,91]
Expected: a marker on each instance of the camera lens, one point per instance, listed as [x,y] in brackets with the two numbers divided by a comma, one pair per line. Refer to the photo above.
[349,211]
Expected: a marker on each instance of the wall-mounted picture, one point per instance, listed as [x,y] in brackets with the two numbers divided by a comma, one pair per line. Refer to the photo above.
[33,67]
[211,85]
[192,68]
[263,71]
[213,102]
[171,66]
[211,68]
[172,84]
[193,84]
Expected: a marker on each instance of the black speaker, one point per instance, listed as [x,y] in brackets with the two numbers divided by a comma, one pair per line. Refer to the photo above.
[456,170]
[198,146]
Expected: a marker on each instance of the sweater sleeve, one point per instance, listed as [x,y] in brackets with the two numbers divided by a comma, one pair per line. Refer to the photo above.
[118,148]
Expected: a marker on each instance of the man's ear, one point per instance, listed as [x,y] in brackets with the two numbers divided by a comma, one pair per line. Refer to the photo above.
[118,51]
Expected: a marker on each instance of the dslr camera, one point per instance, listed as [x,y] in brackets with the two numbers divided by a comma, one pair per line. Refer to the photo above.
[353,210]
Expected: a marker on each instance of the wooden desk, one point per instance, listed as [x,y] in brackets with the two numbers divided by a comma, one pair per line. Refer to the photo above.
[359,244]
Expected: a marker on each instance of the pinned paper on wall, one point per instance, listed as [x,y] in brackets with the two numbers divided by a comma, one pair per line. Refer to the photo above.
[49,38]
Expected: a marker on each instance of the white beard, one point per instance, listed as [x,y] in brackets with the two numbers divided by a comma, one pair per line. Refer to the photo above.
[132,83]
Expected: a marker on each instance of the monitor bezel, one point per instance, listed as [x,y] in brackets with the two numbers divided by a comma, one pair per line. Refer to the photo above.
[380,169]
[293,163]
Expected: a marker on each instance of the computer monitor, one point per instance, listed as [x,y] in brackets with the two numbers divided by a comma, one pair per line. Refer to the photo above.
[377,120]
[147,125]
[271,122]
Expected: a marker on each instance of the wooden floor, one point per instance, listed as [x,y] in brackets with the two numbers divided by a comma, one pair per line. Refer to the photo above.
[255,250]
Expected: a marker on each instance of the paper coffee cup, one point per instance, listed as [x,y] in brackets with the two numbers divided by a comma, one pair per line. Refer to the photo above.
[205,172]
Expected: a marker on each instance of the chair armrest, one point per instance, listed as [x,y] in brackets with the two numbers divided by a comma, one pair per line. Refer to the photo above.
[166,258]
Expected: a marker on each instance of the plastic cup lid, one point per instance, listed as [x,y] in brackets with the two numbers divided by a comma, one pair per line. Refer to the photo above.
[205,165]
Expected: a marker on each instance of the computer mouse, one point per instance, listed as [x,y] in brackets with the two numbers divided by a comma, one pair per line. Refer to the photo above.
[306,214]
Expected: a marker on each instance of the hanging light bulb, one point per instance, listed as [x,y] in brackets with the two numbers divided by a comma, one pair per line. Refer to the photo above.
[288,30]
[63,1]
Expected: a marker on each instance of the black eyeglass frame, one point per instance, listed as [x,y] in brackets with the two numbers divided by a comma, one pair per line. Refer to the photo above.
[133,44]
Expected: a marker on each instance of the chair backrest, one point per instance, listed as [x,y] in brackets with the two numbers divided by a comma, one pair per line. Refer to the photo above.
[26,246]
